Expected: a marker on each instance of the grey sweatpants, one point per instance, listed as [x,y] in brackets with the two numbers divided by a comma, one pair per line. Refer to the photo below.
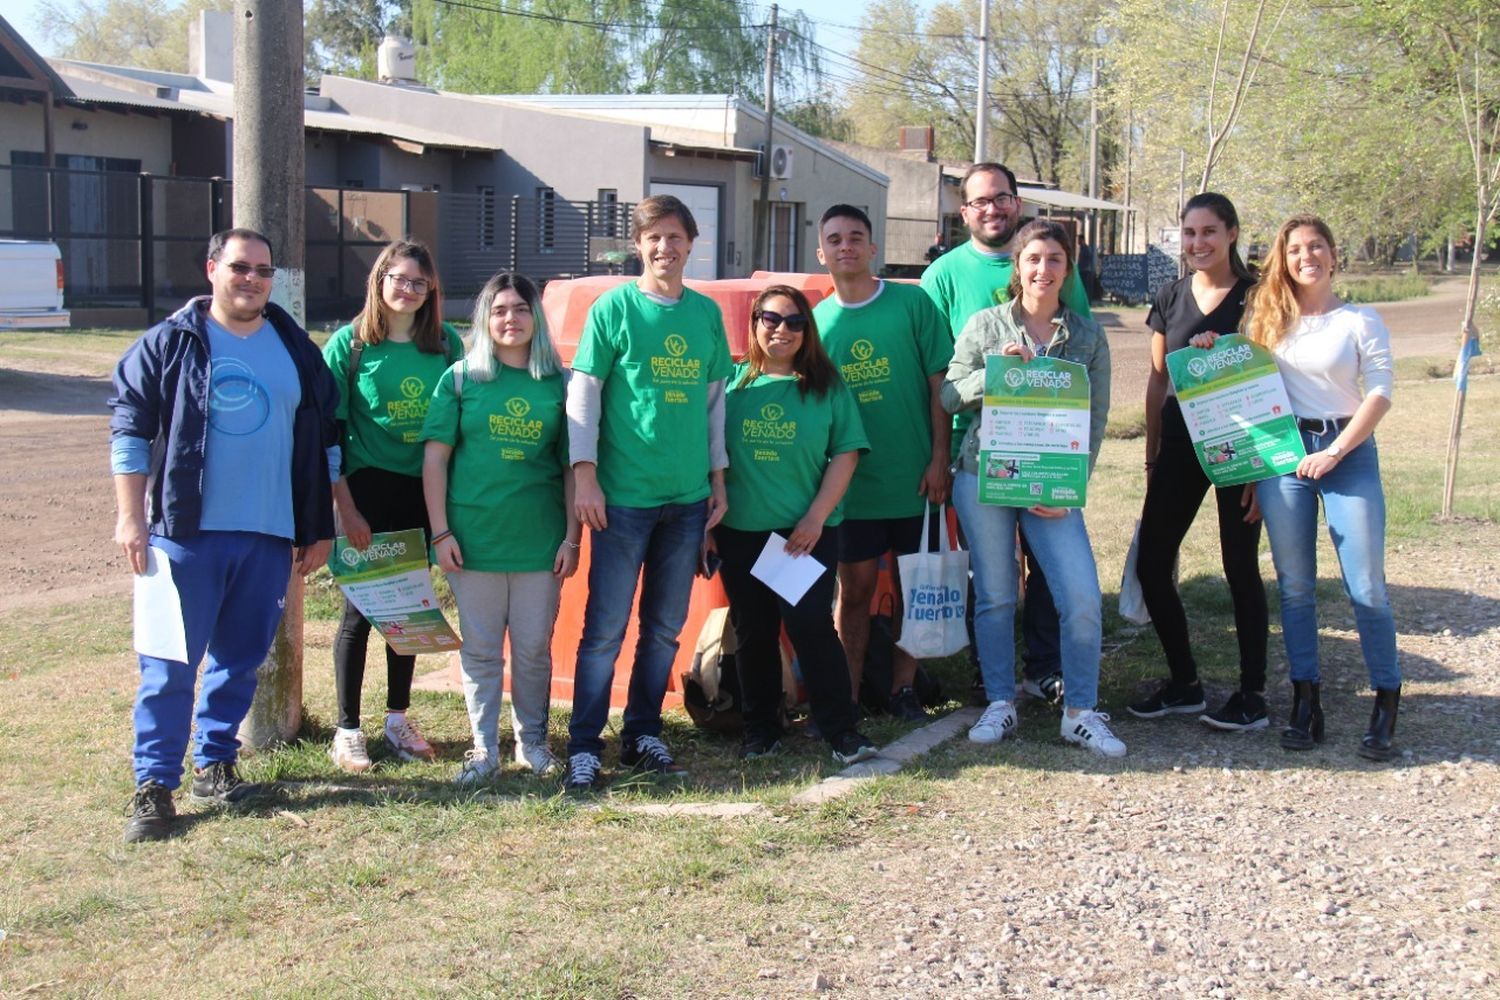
[488,605]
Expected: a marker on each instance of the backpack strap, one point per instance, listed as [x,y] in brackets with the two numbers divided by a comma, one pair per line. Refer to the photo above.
[356,351]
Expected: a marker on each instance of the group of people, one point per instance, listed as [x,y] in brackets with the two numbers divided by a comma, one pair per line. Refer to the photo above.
[844,431]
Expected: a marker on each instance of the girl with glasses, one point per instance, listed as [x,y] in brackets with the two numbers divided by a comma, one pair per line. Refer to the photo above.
[386,363]
[794,437]
[1335,359]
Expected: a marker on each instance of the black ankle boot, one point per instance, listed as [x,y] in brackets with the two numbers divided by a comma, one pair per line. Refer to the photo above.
[1304,727]
[1377,742]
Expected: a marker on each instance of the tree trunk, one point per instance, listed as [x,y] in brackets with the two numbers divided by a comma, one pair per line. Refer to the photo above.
[1468,331]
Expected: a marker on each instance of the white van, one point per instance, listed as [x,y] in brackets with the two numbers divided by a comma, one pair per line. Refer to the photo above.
[31,286]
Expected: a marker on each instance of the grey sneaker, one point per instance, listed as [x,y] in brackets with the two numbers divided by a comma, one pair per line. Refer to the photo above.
[478,767]
[539,758]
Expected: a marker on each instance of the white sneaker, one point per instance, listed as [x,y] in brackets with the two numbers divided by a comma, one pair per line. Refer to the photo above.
[1091,729]
[405,740]
[478,767]
[539,758]
[997,722]
[349,751]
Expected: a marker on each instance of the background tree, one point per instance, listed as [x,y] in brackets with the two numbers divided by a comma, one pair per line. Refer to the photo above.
[151,34]
[343,36]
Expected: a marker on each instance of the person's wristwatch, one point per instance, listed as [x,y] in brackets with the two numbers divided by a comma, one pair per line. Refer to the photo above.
[1335,451]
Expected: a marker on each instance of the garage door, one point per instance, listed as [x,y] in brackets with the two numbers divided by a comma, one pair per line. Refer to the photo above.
[703,201]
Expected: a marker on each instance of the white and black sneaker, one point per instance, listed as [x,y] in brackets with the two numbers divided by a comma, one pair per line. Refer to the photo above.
[650,754]
[1091,729]
[852,747]
[997,722]
[1048,689]
[583,773]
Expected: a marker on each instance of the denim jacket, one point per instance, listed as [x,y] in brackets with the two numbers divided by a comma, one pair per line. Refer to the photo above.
[161,395]
[1077,339]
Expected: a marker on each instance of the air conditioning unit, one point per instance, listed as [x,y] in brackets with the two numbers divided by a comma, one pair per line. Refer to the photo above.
[781,162]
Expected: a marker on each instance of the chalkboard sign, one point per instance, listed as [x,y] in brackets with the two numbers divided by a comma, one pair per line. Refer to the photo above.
[1135,278]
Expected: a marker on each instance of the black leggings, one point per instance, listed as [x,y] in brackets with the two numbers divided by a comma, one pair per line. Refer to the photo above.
[1173,496]
[390,502]
[757,614]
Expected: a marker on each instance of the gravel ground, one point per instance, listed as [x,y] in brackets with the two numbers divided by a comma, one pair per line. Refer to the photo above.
[1207,865]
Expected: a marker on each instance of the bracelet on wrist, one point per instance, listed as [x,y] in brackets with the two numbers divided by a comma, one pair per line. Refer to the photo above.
[441,535]
[572,545]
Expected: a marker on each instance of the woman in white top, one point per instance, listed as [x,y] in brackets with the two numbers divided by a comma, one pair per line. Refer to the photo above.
[1336,361]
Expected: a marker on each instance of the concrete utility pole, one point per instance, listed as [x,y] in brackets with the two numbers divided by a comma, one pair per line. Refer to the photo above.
[763,229]
[982,104]
[268,197]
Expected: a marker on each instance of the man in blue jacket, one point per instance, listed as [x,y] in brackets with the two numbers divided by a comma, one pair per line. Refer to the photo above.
[223,447]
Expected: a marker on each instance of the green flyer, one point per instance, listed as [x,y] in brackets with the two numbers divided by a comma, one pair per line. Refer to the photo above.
[1237,411]
[1034,432]
[390,585]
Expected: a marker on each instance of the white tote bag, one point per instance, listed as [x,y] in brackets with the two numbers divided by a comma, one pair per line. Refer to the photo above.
[1132,600]
[935,590]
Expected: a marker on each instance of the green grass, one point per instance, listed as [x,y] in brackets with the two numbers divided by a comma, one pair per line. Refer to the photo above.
[1366,288]
[398,882]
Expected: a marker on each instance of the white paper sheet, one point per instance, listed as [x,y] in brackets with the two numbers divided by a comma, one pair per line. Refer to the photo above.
[790,577]
[159,630]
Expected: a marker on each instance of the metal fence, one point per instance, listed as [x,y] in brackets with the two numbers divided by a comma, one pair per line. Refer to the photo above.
[136,240]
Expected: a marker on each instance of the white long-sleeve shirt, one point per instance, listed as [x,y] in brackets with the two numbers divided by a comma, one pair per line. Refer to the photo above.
[1331,362]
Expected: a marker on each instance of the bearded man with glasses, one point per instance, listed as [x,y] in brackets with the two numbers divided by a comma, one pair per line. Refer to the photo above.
[223,448]
[966,279]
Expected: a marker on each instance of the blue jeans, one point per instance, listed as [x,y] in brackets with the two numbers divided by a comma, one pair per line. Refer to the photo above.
[664,542]
[1354,506]
[231,586]
[1061,547]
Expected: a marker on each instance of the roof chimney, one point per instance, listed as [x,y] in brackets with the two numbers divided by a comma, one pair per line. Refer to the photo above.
[916,138]
[211,46]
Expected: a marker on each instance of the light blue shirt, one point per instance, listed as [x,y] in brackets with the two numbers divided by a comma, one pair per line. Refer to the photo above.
[252,403]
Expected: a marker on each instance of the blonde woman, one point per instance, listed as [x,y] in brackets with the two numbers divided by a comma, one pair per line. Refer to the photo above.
[1335,359]
[386,364]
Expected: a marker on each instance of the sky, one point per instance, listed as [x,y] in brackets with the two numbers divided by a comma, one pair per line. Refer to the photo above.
[22,14]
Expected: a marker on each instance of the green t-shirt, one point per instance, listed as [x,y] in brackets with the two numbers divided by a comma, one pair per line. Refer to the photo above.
[964,281]
[780,443]
[886,349]
[505,480]
[383,422]
[656,363]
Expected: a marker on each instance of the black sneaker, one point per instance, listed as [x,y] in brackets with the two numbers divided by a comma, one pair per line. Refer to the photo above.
[151,813]
[650,755]
[219,783]
[852,747]
[759,745]
[583,774]
[1243,711]
[906,706]
[1168,699]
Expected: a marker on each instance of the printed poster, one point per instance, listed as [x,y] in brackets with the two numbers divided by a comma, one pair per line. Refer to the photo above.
[1237,411]
[390,585]
[1034,432]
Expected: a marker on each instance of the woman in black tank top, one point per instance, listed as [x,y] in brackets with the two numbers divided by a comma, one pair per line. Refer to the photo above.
[1209,300]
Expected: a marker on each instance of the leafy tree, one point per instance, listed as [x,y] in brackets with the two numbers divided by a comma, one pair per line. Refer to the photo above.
[147,33]
[522,46]
[343,36]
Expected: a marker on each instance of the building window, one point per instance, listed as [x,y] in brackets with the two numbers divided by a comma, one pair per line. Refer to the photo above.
[546,219]
[486,216]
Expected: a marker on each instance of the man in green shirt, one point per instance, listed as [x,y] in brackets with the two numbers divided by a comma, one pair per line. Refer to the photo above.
[646,435]
[975,276]
[892,348]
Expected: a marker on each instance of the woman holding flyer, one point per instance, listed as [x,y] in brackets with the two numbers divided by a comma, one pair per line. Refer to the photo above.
[500,495]
[1033,322]
[794,436]
[1195,310]
[385,363]
[1335,359]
